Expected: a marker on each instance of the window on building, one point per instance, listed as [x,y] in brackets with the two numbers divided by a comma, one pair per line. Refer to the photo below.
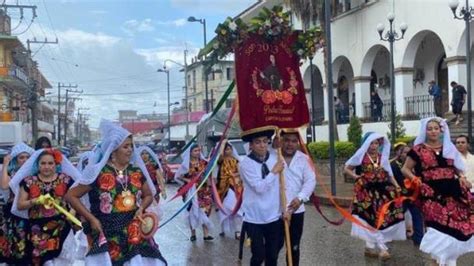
[189,80]
[229,73]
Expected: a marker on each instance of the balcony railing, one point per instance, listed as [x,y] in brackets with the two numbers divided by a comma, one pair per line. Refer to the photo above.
[421,106]
[371,113]
[18,73]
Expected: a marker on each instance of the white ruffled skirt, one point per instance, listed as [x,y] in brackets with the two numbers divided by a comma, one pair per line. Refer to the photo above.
[377,239]
[230,223]
[444,248]
[103,259]
[196,216]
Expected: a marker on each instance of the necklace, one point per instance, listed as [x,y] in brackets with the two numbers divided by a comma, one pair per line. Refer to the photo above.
[436,149]
[128,199]
[376,163]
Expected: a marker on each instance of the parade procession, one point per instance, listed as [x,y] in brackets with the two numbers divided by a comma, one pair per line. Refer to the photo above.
[303,132]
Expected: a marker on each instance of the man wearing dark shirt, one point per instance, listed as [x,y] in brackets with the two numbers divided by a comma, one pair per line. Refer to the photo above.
[459,98]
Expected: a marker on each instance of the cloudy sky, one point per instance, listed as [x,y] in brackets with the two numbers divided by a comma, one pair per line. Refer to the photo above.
[112,48]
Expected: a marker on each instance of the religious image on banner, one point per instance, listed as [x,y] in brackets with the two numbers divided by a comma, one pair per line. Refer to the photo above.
[269,84]
[268,53]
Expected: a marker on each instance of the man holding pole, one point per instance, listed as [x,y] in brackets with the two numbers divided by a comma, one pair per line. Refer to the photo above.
[300,181]
[260,172]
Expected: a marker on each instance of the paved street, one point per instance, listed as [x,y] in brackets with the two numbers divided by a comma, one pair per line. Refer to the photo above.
[322,244]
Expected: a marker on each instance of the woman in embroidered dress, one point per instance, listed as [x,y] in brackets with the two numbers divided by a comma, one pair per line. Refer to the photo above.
[119,190]
[13,228]
[191,169]
[229,188]
[374,186]
[154,168]
[47,172]
[444,198]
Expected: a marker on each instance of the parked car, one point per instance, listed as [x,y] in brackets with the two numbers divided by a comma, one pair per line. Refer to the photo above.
[171,164]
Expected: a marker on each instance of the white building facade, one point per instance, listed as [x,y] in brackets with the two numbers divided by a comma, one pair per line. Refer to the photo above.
[433,48]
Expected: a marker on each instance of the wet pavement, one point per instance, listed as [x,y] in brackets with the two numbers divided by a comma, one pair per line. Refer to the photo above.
[322,244]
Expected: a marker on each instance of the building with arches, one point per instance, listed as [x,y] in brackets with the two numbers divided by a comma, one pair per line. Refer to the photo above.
[433,48]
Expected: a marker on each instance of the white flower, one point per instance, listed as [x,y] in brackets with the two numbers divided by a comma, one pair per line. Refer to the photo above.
[300,52]
[232,26]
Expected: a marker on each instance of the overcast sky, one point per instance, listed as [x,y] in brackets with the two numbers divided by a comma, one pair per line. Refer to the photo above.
[112,47]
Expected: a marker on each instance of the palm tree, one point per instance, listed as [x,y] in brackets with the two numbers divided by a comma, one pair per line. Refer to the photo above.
[310,12]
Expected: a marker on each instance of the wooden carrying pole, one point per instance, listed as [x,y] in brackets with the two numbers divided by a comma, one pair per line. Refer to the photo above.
[283,206]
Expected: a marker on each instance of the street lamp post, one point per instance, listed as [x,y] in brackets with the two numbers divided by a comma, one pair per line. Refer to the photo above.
[164,70]
[391,36]
[185,70]
[206,88]
[466,14]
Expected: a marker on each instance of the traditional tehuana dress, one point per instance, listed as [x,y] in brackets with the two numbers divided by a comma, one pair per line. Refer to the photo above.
[229,191]
[13,229]
[448,213]
[371,191]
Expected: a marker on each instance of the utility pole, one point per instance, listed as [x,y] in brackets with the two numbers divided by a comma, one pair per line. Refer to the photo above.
[66,111]
[60,86]
[33,85]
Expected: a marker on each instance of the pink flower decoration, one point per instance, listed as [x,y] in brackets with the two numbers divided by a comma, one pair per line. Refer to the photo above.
[105,202]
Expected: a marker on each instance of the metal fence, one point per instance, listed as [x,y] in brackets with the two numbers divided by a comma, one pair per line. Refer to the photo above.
[371,114]
[421,106]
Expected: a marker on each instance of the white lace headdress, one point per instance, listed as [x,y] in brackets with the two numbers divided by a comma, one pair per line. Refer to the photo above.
[357,158]
[30,168]
[449,150]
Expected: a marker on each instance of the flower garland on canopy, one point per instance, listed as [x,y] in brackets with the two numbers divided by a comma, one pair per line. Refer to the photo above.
[272,24]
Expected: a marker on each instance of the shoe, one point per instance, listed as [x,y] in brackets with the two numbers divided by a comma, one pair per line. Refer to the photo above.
[371,252]
[192,238]
[457,122]
[208,238]
[222,234]
[237,235]
[384,255]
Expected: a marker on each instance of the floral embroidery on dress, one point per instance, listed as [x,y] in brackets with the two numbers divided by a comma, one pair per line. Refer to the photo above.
[107,195]
[371,191]
[445,204]
[48,227]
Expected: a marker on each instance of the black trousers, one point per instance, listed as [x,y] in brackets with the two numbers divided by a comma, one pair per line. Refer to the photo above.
[296,231]
[265,242]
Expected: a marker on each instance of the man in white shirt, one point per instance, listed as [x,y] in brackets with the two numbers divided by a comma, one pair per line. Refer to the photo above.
[261,200]
[300,182]
[462,144]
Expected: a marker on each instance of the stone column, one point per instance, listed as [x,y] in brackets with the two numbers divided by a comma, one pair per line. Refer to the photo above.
[362,94]
[326,103]
[403,88]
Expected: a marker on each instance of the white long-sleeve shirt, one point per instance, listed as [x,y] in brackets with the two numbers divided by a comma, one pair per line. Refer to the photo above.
[300,179]
[261,198]
[469,164]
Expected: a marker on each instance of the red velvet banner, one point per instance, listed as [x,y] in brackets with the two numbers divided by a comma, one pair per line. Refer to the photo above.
[269,84]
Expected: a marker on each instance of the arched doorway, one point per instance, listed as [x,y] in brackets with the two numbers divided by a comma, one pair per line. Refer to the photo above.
[318,96]
[344,78]
[425,54]
[443,83]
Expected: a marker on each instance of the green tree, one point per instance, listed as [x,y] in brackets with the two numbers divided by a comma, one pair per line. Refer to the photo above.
[354,131]
[400,131]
